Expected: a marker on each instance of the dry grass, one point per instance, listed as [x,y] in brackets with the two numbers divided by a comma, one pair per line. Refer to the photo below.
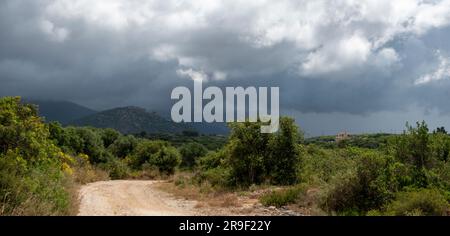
[35,206]
[149,172]
[89,174]
[204,193]
[30,207]
[225,200]
[181,185]
[82,175]
[73,190]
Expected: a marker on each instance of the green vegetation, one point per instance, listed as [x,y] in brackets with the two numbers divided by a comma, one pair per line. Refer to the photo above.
[427,202]
[283,197]
[211,142]
[156,153]
[380,174]
[131,120]
[190,152]
[401,175]
[40,164]
[370,141]
[251,157]
[32,169]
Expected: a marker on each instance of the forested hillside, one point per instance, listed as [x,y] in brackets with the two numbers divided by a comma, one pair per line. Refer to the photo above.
[132,120]
[61,111]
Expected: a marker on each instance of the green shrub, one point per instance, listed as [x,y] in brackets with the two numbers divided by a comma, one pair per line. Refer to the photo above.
[159,154]
[166,159]
[212,160]
[368,187]
[414,148]
[217,177]
[92,145]
[340,195]
[109,136]
[426,202]
[144,151]
[32,176]
[190,152]
[116,168]
[283,197]
[123,146]
[321,165]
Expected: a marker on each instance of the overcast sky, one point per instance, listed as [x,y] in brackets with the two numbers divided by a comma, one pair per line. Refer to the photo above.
[360,66]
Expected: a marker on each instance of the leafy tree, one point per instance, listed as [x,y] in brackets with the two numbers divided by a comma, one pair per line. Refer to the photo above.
[123,146]
[440,146]
[109,136]
[247,148]
[166,159]
[413,148]
[57,133]
[117,168]
[156,153]
[284,156]
[92,145]
[255,157]
[144,150]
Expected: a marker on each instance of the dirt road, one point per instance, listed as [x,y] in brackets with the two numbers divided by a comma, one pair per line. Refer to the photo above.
[147,198]
[130,197]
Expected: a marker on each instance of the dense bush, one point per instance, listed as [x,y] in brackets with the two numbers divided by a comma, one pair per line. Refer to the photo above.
[212,160]
[368,187]
[109,136]
[283,197]
[123,146]
[166,159]
[33,171]
[216,177]
[190,152]
[422,202]
[116,168]
[413,148]
[156,153]
[80,140]
[320,165]
[92,145]
[212,168]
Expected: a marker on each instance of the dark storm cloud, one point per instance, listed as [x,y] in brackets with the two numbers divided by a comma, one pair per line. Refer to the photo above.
[349,57]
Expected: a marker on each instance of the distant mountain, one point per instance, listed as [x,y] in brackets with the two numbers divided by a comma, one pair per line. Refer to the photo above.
[62,111]
[131,120]
[126,119]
